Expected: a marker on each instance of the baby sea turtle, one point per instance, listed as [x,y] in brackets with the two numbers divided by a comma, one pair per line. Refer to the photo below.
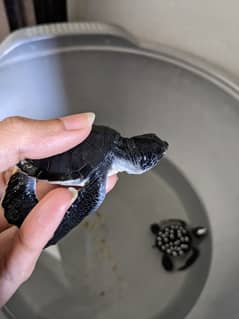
[176,240]
[104,153]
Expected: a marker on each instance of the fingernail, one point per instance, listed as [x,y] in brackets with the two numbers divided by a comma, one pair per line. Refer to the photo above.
[74,193]
[78,121]
[91,117]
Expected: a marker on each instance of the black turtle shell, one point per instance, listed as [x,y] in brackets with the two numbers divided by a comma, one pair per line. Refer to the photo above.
[78,162]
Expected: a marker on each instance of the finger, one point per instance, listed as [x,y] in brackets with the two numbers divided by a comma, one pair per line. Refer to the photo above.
[30,239]
[110,183]
[26,138]
[43,188]
[38,228]
[4,178]
[43,220]
[3,222]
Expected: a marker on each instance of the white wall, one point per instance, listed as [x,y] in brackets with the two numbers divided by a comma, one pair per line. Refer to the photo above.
[206,28]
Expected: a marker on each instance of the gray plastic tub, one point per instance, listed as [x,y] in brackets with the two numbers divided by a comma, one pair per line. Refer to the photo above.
[107,267]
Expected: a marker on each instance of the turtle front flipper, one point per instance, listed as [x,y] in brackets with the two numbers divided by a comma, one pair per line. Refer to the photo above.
[19,198]
[167,263]
[88,201]
[199,232]
[192,258]
[155,228]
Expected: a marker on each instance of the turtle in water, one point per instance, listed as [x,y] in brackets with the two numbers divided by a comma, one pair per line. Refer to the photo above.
[176,240]
[105,152]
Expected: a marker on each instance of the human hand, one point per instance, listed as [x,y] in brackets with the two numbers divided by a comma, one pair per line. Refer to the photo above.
[26,138]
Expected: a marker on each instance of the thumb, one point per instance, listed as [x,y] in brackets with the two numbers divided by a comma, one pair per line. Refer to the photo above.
[27,138]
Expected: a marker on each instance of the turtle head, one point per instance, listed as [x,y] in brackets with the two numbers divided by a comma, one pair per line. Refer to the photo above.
[145,152]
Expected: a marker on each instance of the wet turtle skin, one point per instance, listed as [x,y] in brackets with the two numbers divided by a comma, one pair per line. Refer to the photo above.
[176,240]
[103,153]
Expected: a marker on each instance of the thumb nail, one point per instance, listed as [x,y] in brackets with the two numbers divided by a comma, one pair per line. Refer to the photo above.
[74,193]
[78,121]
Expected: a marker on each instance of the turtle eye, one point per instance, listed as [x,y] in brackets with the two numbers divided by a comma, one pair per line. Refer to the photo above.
[145,162]
[148,161]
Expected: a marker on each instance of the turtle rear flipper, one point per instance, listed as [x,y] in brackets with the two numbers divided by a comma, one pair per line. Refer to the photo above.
[191,260]
[88,200]
[167,263]
[20,198]
[199,232]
